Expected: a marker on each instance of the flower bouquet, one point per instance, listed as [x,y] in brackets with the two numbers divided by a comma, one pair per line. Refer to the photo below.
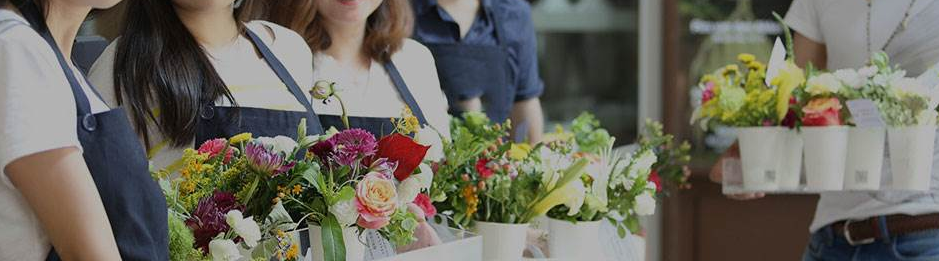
[212,189]
[574,225]
[907,108]
[499,186]
[740,97]
[824,132]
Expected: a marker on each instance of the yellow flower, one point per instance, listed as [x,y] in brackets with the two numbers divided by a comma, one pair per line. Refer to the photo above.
[293,252]
[408,123]
[746,58]
[519,151]
[297,189]
[731,68]
[240,138]
[790,77]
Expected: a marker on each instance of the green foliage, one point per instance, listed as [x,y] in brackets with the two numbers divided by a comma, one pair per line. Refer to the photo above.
[334,248]
[181,241]
[590,137]
[400,231]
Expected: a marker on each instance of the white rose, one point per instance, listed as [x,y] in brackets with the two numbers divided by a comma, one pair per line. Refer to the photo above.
[224,250]
[279,144]
[643,165]
[645,204]
[823,84]
[246,228]
[429,137]
[345,212]
[575,200]
[413,185]
[867,72]
[850,77]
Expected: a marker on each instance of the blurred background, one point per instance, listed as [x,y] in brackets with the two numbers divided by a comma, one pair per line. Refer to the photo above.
[629,60]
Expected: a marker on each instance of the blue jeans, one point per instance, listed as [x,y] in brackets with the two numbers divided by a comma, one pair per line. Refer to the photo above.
[827,245]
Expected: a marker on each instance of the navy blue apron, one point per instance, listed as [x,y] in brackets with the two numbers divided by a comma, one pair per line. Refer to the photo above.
[377,125]
[115,157]
[224,122]
[469,71]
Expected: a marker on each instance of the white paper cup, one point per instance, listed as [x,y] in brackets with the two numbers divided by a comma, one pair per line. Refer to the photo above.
[911,156]
[355,248]
[502,241]
[790,173]
[825,156]
[864,164]
[575,241]
[760,154]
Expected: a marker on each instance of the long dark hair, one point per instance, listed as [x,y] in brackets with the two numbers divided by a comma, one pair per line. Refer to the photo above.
[159,65]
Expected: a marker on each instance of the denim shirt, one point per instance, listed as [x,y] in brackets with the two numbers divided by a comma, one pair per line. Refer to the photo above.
[435,26]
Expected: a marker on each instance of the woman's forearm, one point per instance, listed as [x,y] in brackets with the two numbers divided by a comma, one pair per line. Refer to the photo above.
[62,193]
[529,114]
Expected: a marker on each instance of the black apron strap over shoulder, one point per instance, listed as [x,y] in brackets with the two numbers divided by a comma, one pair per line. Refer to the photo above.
[288,80]
[405,92]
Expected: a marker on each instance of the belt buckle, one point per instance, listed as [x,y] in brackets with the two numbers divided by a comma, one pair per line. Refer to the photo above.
[847,235]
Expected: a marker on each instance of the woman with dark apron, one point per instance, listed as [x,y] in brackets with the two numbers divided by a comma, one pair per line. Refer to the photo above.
[216,78]
[362,47]
[486,57]
[134,204]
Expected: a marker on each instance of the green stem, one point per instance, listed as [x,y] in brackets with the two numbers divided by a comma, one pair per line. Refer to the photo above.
[790,54]
[345,115]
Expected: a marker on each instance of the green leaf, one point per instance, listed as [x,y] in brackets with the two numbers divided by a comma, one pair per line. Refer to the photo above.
[334,248]
[265,248]
[279,215]
[346,193]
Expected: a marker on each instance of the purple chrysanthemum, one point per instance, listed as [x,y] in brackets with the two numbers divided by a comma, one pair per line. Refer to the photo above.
[263,160]
[351,145]
[208,220]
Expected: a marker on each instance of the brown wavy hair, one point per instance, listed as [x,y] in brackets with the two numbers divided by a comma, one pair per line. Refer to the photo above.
[385,29]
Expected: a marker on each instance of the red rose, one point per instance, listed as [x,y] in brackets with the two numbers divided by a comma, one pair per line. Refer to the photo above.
[822,112]
[423,201]
[654,178]
[403,150]
[484,171]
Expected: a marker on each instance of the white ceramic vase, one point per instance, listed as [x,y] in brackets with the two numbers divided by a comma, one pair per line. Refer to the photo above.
[355,247]
[760,157]
[502,242]
[575,241]
[790,172]
[865,161]
[825,156]
[911,156]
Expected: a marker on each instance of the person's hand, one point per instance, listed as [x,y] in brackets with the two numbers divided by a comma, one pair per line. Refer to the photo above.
[717,173]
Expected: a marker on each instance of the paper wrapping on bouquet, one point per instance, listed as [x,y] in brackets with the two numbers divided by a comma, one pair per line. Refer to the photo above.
[503,242]
[355,247]
[790,172]
[911,156]
[575,241]
[760,155]
[864,165]
[825,155]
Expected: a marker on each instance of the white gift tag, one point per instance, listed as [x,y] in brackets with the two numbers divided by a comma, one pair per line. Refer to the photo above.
[930,79]
[777,60]
[865,113]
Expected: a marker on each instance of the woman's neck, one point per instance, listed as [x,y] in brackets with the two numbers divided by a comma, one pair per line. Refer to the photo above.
[211,28]
[347,44]
[64,20]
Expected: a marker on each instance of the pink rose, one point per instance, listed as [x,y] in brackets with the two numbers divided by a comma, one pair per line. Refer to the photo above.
[376,199]
[214,148]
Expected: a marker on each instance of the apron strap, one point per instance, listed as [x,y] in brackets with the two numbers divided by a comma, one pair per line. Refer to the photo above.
[404,92]
[288,80]
[35,18]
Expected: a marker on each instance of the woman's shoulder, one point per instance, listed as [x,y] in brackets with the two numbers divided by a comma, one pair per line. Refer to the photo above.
[18,40]
[277,35]
[412,50]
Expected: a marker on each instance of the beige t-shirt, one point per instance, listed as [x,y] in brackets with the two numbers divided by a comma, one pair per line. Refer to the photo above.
[250,79]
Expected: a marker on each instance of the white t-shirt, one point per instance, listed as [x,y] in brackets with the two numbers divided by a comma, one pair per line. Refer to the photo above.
[37,113]
[379,97]
[250,79]
[841,26]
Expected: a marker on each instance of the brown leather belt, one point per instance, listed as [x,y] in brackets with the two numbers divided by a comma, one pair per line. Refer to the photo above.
[860,232]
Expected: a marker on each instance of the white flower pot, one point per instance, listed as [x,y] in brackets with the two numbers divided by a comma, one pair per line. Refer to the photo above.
[790,172]
[760,155]
[502,241]
[911,156]
[825,155]
[864,164]
[575,241]
[355,248]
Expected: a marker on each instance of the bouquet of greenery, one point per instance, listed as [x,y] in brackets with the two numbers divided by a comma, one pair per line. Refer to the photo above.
[486,179]
[903,101]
